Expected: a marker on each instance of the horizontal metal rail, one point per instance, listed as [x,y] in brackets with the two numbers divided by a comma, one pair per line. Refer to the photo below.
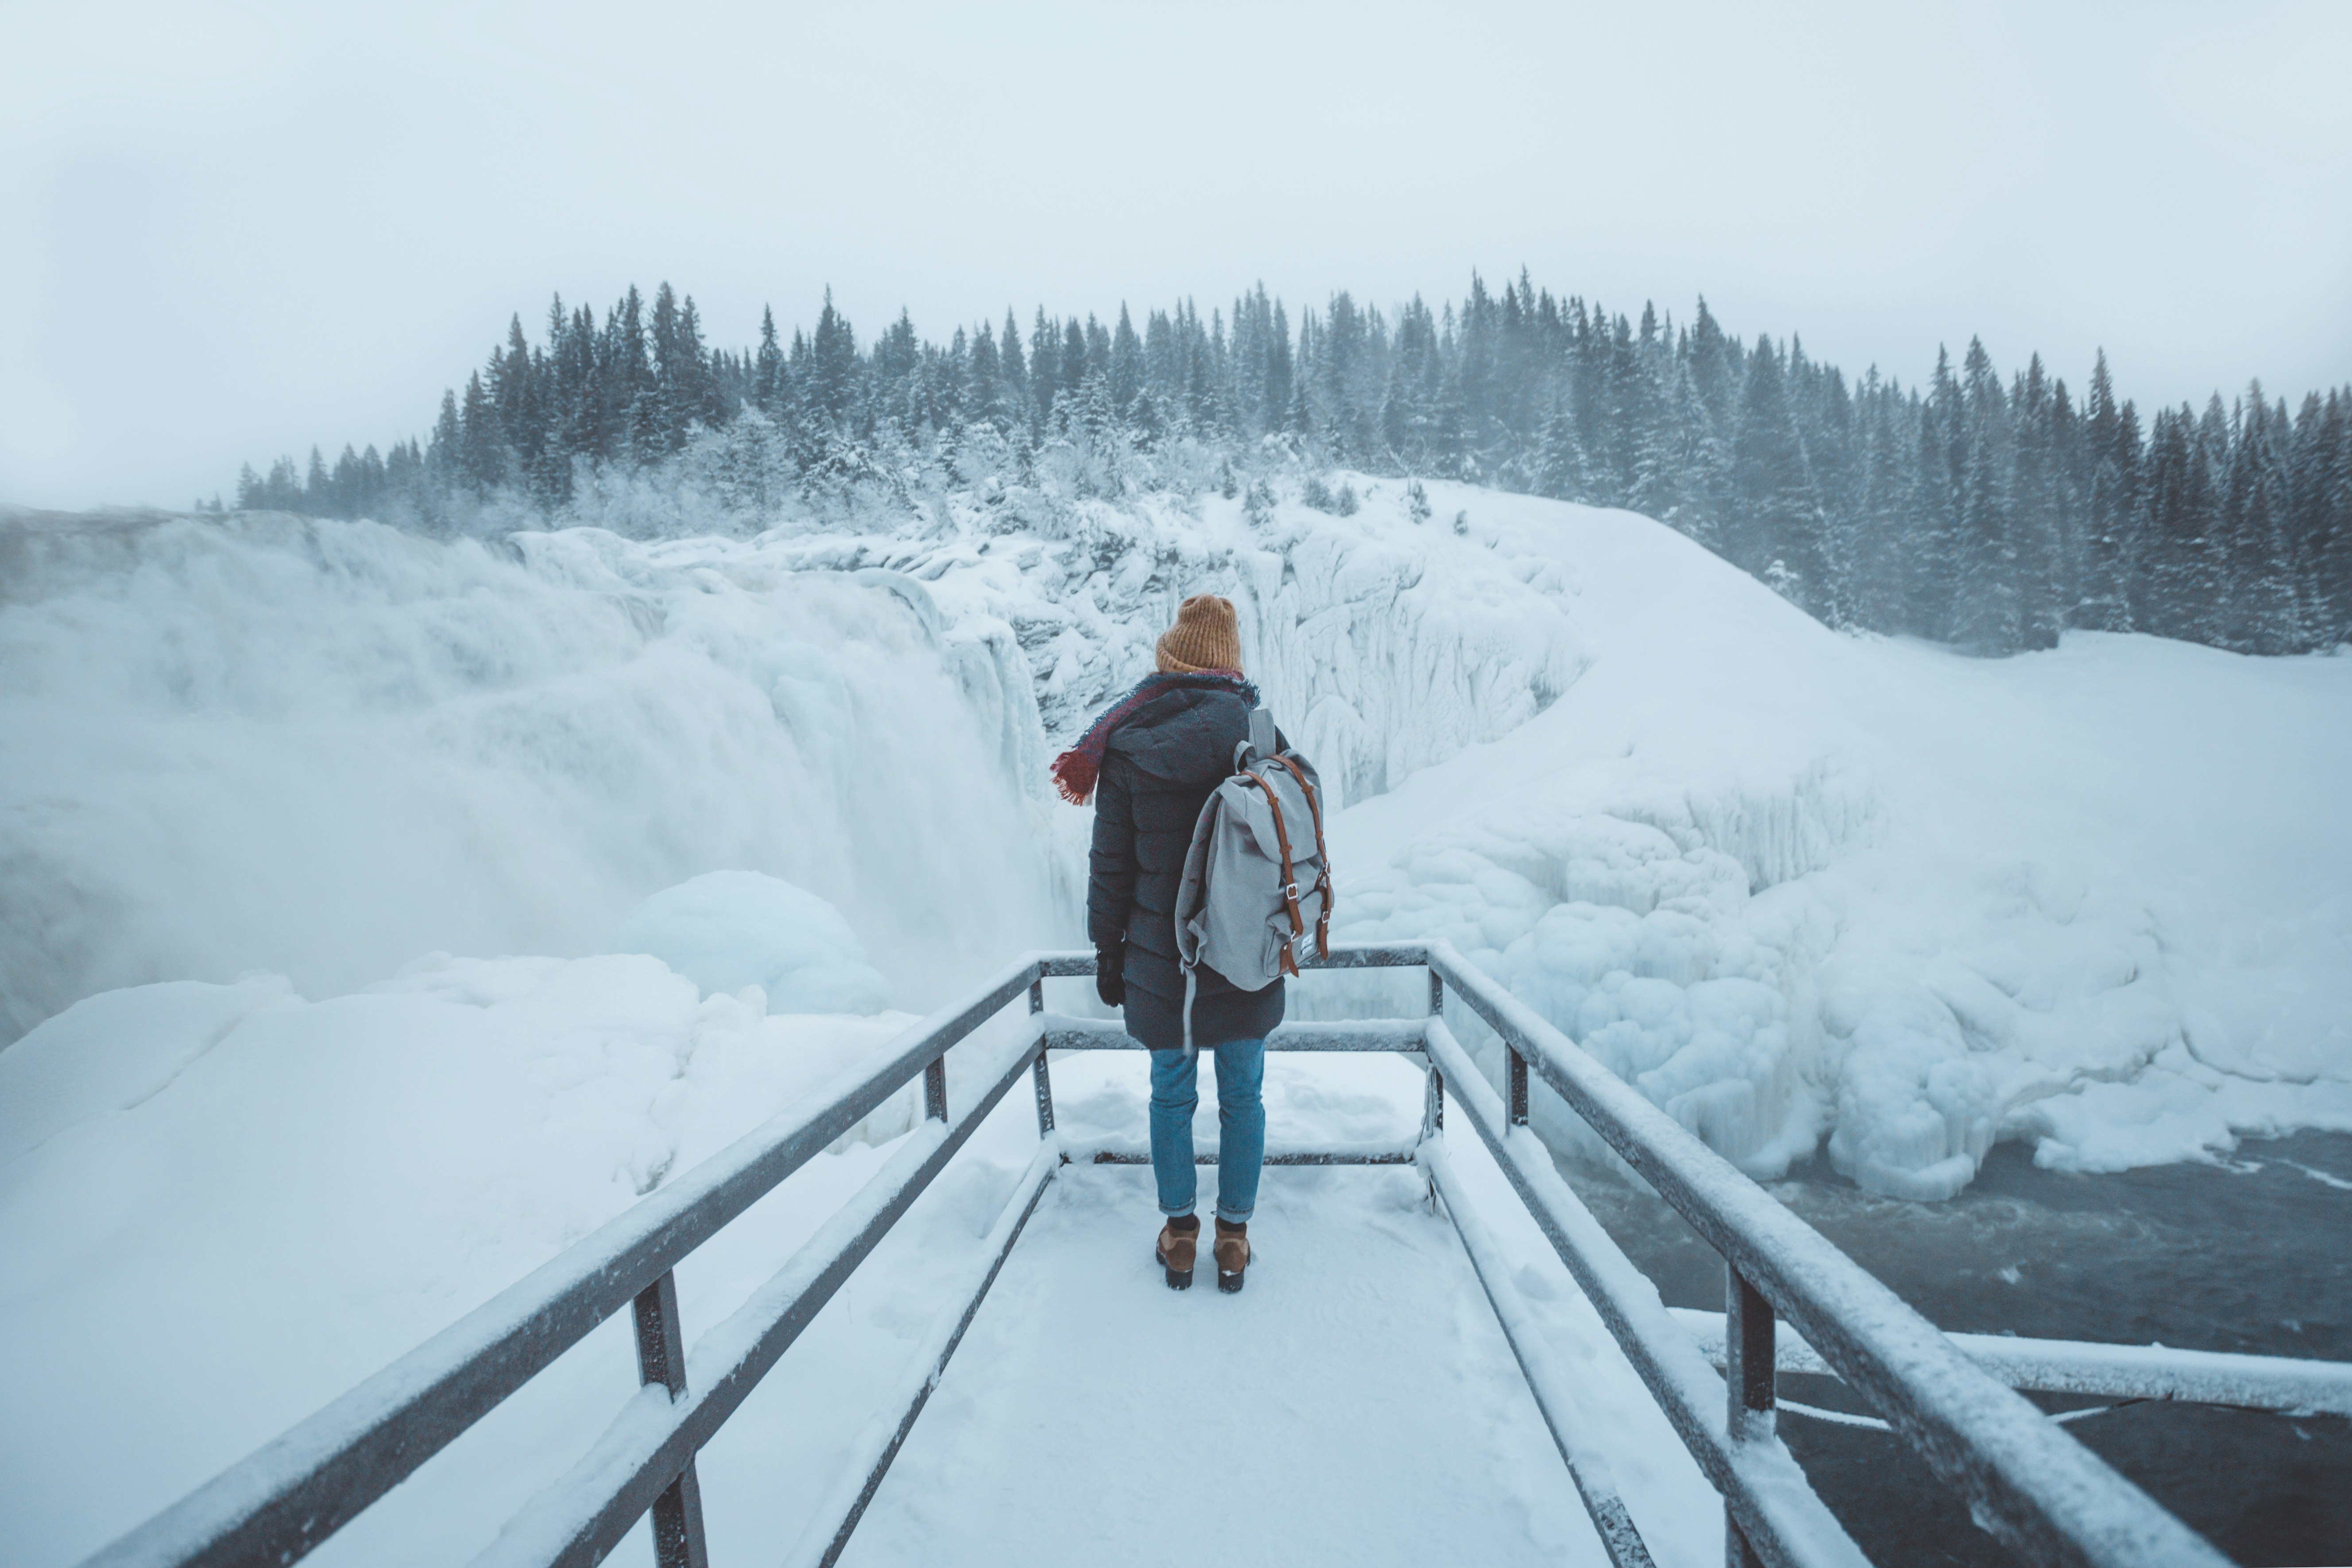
[2110,1372]
[278,1504]
[575,1521]
[1068,1034]
[2032,1484]
[1275,1154]
[1549,1383]
[1078,964]
[1761,1484]
[2029,1483]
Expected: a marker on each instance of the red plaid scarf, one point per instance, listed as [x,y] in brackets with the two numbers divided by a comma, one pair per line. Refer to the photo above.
[1075,770]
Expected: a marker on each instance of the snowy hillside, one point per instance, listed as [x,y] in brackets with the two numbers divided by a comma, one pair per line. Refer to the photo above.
[263,778]
[1803,887]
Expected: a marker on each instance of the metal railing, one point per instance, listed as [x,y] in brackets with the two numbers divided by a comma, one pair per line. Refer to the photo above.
[2026,1478]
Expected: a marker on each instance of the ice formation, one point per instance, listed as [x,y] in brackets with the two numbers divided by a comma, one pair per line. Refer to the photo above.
[320,748]
[729,931]
[1809,891]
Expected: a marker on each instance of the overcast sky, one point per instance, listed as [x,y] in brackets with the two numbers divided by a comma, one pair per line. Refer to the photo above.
[235,230]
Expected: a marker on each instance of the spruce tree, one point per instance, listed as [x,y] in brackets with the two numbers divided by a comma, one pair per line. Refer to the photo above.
[983,379]
[1774,521]
[1072,376]
[1126,369]
[1561,470]
[1277,393]
[2034,554]
[1044,370]
[2102,602]
[1015,369]
[833,353]
[767,376]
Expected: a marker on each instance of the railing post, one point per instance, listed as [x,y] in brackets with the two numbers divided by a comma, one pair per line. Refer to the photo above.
[1433,1104]
[1037,1071]
[1748,1369]
[935,1089]
[661,1358]
[1518,1076]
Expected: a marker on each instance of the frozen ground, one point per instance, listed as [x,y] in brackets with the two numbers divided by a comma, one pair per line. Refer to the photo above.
[1356,1403]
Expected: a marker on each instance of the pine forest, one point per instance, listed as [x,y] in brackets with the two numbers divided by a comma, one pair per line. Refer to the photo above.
[1987,511]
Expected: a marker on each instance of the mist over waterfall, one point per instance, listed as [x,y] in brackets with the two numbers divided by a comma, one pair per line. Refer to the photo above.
[325,748]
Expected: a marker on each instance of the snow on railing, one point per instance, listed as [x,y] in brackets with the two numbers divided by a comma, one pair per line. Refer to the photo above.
[2028,1480]
[2124,1373]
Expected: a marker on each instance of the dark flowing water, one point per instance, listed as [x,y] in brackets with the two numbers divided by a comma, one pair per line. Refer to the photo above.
[2253,1255]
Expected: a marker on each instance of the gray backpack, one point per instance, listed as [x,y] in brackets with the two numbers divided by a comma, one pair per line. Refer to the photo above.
[1257,888]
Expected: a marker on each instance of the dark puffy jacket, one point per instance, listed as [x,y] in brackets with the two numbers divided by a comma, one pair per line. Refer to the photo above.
[1159,770]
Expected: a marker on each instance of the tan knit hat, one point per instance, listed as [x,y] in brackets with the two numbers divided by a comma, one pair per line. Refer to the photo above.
[1204,637]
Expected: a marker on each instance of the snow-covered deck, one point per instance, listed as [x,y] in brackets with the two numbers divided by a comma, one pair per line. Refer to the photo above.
[1357,1403]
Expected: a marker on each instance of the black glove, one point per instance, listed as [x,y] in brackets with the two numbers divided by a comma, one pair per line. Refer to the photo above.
[1110,974]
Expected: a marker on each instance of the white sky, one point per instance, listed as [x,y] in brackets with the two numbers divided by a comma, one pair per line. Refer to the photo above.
[232,231]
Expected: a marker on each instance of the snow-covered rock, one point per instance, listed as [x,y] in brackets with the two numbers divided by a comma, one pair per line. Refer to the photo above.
[731,931]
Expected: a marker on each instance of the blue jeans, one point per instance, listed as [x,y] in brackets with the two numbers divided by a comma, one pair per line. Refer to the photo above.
[1241,1127]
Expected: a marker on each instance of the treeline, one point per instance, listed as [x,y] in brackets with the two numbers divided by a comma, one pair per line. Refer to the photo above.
[1975,510]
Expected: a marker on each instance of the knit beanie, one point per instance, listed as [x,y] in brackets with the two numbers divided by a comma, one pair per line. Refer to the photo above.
[1204,637]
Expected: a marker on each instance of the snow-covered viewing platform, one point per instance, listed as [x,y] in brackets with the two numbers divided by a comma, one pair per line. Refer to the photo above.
[1360,1409]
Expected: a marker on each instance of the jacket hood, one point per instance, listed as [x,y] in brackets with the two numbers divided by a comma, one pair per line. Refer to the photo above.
[1184,737]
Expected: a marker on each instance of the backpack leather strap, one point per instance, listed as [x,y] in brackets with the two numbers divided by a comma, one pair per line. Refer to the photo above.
[1322,857]
[1289,878]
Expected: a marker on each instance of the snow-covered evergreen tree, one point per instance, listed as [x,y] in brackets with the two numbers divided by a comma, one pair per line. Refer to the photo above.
[1962,508]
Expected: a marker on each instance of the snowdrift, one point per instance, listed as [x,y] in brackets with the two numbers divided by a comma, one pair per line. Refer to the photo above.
[1804,888]
[224,1205]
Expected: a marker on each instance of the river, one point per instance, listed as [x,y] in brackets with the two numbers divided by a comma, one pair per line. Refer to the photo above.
[2252,1253]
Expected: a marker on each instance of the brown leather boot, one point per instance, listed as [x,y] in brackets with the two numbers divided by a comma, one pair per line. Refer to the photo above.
[1233,1250]
[1180,1239]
